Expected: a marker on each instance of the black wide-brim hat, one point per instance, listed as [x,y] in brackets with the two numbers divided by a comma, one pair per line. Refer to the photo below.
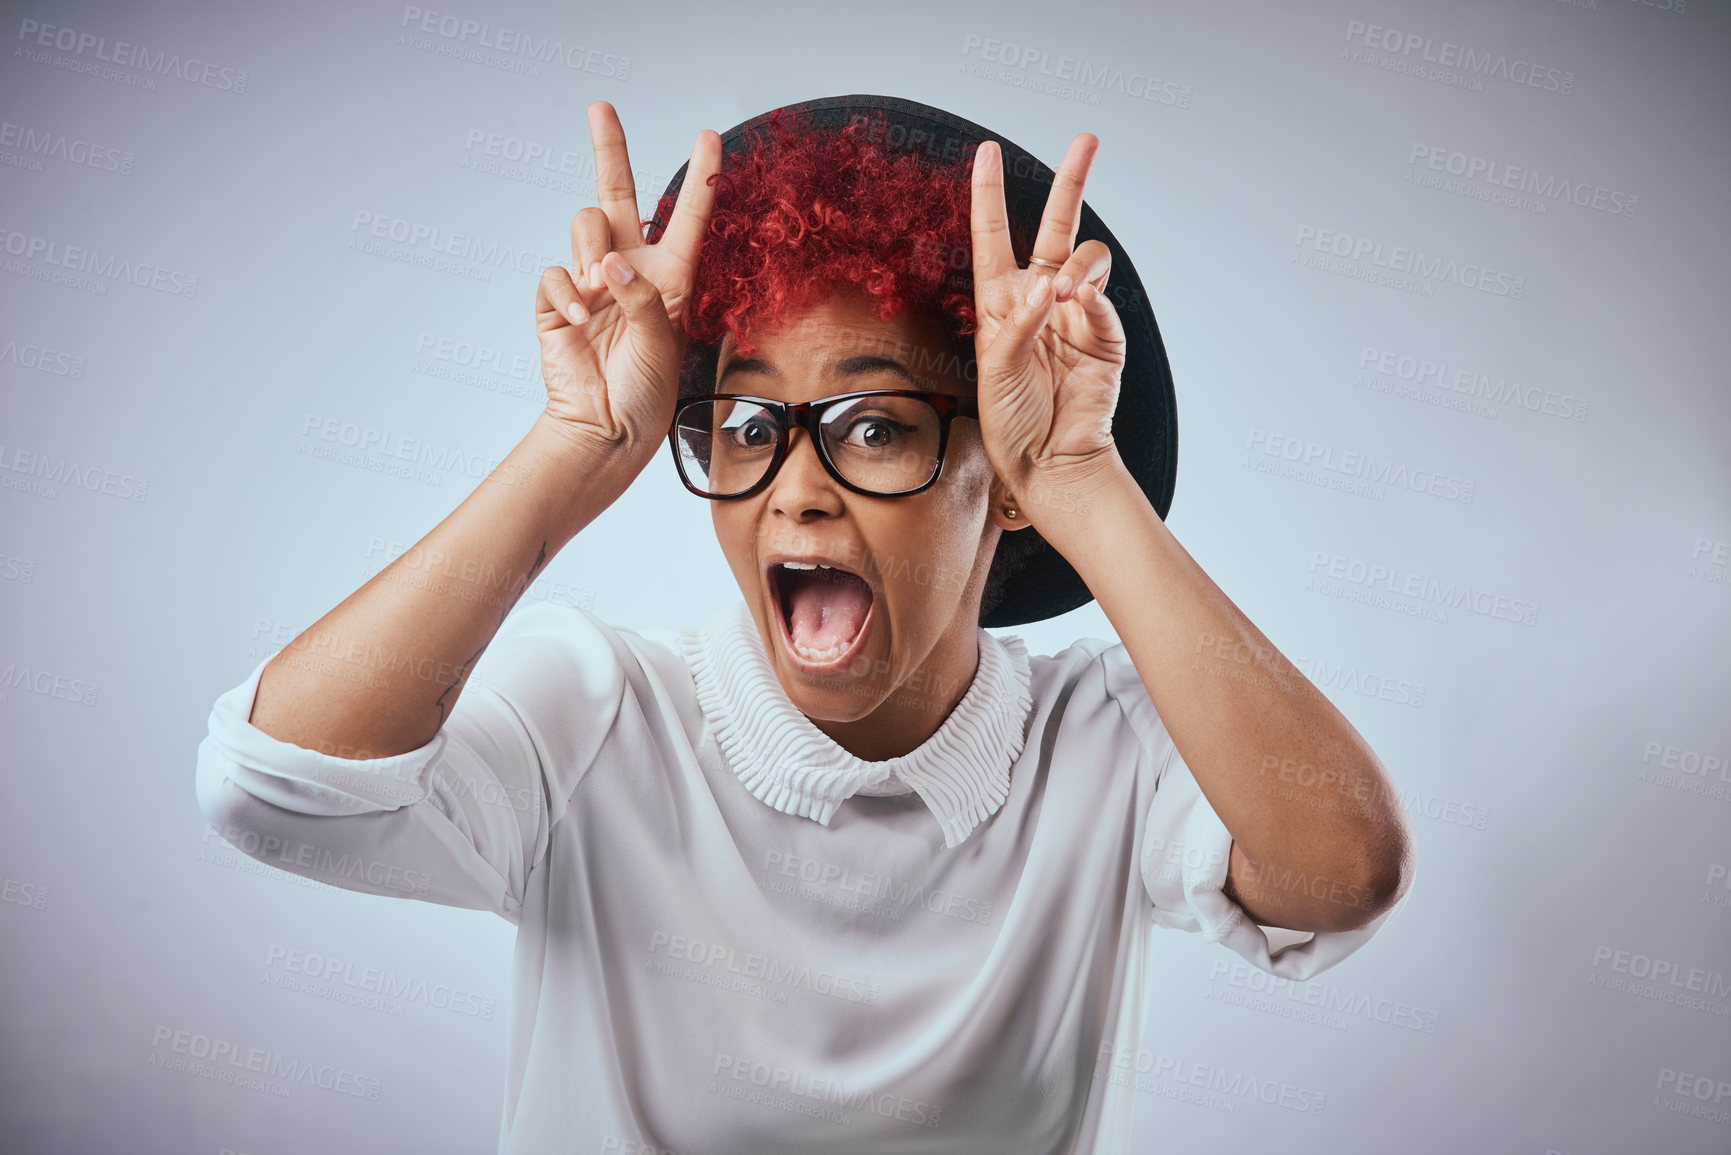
[1032,580]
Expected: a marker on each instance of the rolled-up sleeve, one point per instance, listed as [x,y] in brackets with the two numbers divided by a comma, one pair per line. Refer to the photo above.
[1185,851]
[461,820]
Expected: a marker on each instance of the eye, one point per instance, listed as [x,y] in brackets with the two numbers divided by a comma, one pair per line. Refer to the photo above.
[757,432]
[874,432]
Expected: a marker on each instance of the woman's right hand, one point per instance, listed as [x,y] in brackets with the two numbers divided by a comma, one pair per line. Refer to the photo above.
[612,337]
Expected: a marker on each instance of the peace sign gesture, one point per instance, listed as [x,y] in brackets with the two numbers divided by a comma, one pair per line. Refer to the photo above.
[611,337]
[1050,346]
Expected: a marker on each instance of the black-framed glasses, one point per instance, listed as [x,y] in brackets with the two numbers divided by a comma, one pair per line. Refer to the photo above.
[877,442]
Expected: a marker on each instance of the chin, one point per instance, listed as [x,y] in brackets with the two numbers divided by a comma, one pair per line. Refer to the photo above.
[831,704]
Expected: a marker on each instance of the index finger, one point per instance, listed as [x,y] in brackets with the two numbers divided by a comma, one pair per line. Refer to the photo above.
[1063,213]
[988,221]
[615,188]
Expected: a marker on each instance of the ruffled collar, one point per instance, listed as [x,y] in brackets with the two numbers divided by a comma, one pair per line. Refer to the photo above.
[962,772]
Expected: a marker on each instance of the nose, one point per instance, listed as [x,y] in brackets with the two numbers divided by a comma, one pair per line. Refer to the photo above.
[802,489]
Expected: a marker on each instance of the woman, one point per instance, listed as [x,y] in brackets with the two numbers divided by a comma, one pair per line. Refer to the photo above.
[839,870]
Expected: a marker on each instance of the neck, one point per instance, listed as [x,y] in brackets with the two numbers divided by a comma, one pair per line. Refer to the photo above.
[913,711]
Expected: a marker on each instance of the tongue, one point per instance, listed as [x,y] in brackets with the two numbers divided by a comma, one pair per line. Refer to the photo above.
[826,607]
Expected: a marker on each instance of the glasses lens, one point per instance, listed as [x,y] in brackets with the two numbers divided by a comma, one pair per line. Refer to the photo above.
[883,444]
[725,446]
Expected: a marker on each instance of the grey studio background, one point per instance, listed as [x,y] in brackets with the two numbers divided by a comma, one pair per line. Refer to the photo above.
[1444,287]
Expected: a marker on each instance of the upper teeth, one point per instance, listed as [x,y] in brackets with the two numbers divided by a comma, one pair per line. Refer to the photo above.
[804,565]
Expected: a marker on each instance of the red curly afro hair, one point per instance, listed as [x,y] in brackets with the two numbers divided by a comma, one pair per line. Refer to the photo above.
[802,210]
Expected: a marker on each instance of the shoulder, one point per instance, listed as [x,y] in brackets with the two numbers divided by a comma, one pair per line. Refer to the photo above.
[548,649]
[586,692]
[1093,683]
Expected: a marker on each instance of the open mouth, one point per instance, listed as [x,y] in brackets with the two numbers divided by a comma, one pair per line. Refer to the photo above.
[824,609]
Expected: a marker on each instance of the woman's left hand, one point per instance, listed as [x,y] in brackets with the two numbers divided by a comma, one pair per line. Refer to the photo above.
[1050,346]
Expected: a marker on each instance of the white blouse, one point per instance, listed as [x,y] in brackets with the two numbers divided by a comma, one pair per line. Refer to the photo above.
[736,937]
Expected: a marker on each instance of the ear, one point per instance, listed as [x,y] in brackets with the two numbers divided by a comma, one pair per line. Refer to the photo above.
[1001,501]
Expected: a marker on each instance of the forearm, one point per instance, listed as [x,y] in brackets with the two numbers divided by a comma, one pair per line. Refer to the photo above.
[379,674]
[1301,792]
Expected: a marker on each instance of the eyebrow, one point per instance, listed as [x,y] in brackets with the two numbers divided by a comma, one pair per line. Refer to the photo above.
[847,367]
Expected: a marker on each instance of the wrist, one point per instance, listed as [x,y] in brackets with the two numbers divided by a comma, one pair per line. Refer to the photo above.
[576,452]
[1056,496]
[575,477]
